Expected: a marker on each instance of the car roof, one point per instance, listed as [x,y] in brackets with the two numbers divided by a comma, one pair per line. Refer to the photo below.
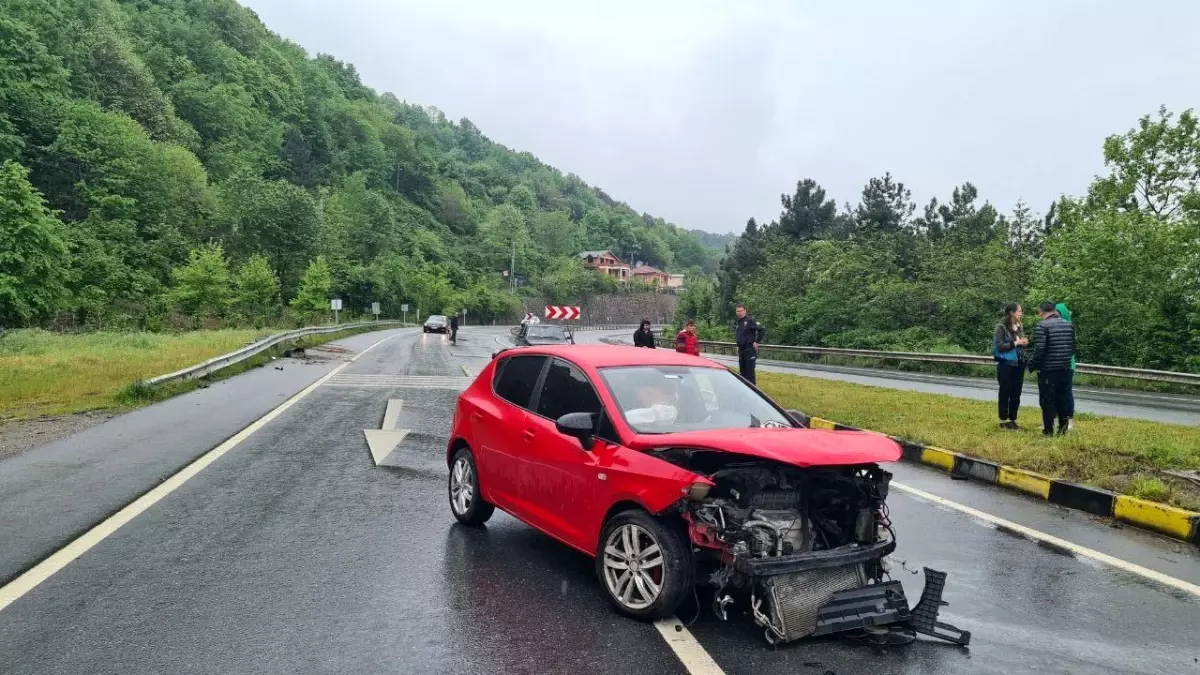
[604,356]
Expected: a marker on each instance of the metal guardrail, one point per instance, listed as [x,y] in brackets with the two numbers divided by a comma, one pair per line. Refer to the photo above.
[966,359]
[254,348]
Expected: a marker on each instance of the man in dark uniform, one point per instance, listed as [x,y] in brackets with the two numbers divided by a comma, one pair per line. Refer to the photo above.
[749,334]
[454,329]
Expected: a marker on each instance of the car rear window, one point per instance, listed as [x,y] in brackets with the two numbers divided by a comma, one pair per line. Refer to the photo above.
[516,377]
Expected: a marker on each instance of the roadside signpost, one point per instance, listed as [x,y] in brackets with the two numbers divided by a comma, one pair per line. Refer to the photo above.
[375,310]
[404,311]
[336,305]
[561,312]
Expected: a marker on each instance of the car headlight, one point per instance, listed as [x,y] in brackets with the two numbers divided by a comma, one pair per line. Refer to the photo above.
[698,491]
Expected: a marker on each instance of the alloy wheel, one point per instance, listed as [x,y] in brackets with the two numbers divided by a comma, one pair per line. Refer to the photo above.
[462,488]
[633,566]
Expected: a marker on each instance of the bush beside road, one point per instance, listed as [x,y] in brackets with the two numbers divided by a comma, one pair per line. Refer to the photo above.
[1118,454]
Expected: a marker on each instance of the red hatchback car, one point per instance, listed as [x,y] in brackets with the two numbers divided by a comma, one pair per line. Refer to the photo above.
[673,472]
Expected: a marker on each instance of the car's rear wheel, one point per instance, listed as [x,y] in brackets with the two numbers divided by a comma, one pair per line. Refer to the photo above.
[644,565]
[466,502]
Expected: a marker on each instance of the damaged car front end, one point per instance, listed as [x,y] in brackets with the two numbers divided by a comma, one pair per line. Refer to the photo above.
[805,549]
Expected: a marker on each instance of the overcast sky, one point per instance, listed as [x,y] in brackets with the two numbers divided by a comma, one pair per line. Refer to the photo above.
[704,112]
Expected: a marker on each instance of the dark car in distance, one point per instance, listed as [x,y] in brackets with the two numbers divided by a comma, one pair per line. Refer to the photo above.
[436,323]
[543,334]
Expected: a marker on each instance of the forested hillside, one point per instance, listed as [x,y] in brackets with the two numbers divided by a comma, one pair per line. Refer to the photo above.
[882,274]
[174,157]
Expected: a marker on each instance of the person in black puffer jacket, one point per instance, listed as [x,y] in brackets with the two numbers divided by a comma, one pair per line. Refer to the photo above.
[644,337]
[1054,347]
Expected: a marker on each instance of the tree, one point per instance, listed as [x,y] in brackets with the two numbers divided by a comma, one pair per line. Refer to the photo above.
[1125,277]
[503,228]
[454,208]
[33,251]
[257,288]
[522,198]
[557,234]
[744,257]
[272,218]
[202,286]
[312,297]
[807,215]
[885,208]
[1155,168]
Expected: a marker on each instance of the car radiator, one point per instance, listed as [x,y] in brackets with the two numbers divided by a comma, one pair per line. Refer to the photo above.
[794,600]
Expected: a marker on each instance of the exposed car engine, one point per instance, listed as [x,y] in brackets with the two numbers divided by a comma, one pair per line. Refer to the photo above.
[789,540]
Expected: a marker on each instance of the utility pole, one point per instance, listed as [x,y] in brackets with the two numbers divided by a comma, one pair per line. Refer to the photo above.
[512,269]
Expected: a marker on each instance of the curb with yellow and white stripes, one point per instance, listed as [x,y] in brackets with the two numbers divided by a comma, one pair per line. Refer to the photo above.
[1174,522]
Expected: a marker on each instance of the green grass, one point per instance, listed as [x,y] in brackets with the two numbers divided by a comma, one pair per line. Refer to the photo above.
[1107,452]
[45,373]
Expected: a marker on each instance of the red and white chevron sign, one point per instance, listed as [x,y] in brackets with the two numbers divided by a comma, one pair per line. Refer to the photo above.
[529,316]
[560,312]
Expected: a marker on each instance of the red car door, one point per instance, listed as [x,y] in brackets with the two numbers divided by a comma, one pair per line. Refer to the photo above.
[501,427]
[561,480]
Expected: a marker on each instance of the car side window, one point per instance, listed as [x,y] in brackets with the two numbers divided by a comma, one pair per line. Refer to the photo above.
[567,390]
[516,378]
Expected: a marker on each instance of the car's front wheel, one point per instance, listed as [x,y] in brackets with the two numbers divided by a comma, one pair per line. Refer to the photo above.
[644,565]
[466,502]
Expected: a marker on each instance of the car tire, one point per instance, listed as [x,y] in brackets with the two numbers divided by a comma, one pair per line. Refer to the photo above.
[672,575]
[466,502]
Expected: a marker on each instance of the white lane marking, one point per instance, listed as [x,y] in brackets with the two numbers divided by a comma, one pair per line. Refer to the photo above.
[382,442]
[466,372]
[1084,551]
[687,648]
[18,587]
[392,415]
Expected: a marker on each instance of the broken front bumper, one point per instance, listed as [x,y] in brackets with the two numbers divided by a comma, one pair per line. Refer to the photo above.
[832,600]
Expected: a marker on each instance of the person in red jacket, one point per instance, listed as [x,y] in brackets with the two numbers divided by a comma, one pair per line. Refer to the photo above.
[686,341]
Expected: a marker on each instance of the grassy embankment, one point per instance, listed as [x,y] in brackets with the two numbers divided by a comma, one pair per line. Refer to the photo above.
[1119,454]
[45,373]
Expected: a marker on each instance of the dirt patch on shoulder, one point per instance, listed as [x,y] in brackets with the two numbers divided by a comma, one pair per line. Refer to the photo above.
[17,436]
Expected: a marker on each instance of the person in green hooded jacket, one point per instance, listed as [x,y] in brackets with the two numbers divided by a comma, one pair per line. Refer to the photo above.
[1066,316]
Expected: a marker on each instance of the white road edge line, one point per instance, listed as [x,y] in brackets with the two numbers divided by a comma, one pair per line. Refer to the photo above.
[13,590]
[1084,551]
[687,648]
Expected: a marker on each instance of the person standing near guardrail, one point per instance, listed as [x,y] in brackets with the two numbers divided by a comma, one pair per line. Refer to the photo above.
[1066,315]
[1008,348]
[644,336]
[686,341]
[454,328]
[749,334]
[1054,347]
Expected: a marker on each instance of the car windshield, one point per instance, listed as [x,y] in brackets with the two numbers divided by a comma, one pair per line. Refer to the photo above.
[548,333]
[436,318]
[671,399]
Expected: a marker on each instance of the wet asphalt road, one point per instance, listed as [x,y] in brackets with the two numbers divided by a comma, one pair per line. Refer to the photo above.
[295,554]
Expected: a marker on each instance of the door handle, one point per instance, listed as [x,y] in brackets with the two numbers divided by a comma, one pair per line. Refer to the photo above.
[528,434]
[477,416]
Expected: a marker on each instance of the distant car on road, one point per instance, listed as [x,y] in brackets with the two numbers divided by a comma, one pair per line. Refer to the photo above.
[672,472]
[436,323]
[549,334]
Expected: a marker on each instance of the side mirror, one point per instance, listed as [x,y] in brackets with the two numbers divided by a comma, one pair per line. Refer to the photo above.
[799,417]
[577,425]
